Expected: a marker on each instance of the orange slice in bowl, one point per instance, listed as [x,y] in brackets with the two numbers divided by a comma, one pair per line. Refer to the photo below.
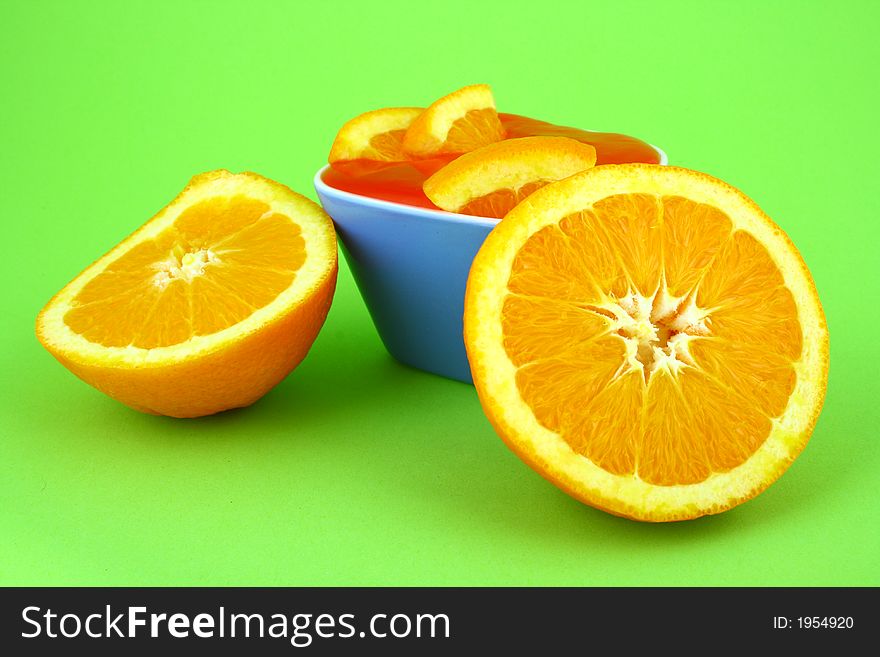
[458,123]
[205,307]
[491,180]
[648,340]
[375,135]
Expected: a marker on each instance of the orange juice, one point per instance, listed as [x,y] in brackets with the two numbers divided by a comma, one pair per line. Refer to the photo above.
[401,182]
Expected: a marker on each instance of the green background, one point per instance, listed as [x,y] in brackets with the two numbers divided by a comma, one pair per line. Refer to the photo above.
[357,470]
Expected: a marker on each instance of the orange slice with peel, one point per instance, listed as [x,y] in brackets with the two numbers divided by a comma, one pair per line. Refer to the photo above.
[491,180]
[376,135]
[458,123]
[648,340]
[207,306]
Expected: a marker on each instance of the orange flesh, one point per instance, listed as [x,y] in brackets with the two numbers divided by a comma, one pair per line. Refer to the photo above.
[401,182]
[221,260]
[712,368]
[387,146]
[501,201]
[475,129]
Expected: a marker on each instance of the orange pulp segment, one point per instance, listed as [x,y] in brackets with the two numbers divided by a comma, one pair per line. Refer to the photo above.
[460,122]
[376,135]
[491,180]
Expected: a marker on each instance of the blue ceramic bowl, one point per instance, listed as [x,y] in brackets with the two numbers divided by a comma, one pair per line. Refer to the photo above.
[411,267]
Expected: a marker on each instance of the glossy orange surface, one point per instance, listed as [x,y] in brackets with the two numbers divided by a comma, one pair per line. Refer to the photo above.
[401,182]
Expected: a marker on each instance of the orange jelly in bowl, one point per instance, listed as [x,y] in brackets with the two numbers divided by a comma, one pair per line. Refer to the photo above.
[401,182]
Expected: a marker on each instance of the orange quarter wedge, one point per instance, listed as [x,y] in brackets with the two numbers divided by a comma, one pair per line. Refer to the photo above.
[648,340]
[376,135]
[491,180]
[458,123]
[204,308]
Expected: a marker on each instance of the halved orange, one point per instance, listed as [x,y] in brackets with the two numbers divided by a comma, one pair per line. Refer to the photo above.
[648,340]
[458,123]
[375,135]
[491,180]
[207,306]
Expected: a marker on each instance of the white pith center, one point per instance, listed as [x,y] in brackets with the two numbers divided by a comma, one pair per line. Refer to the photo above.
[656,329]
[184,265]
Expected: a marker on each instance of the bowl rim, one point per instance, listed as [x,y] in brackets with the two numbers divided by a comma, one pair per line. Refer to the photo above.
[323,188]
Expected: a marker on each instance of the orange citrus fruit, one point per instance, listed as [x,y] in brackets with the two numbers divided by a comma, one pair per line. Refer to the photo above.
[460,122]
[647,339]
[207,306]
[491,180]
[375,135]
